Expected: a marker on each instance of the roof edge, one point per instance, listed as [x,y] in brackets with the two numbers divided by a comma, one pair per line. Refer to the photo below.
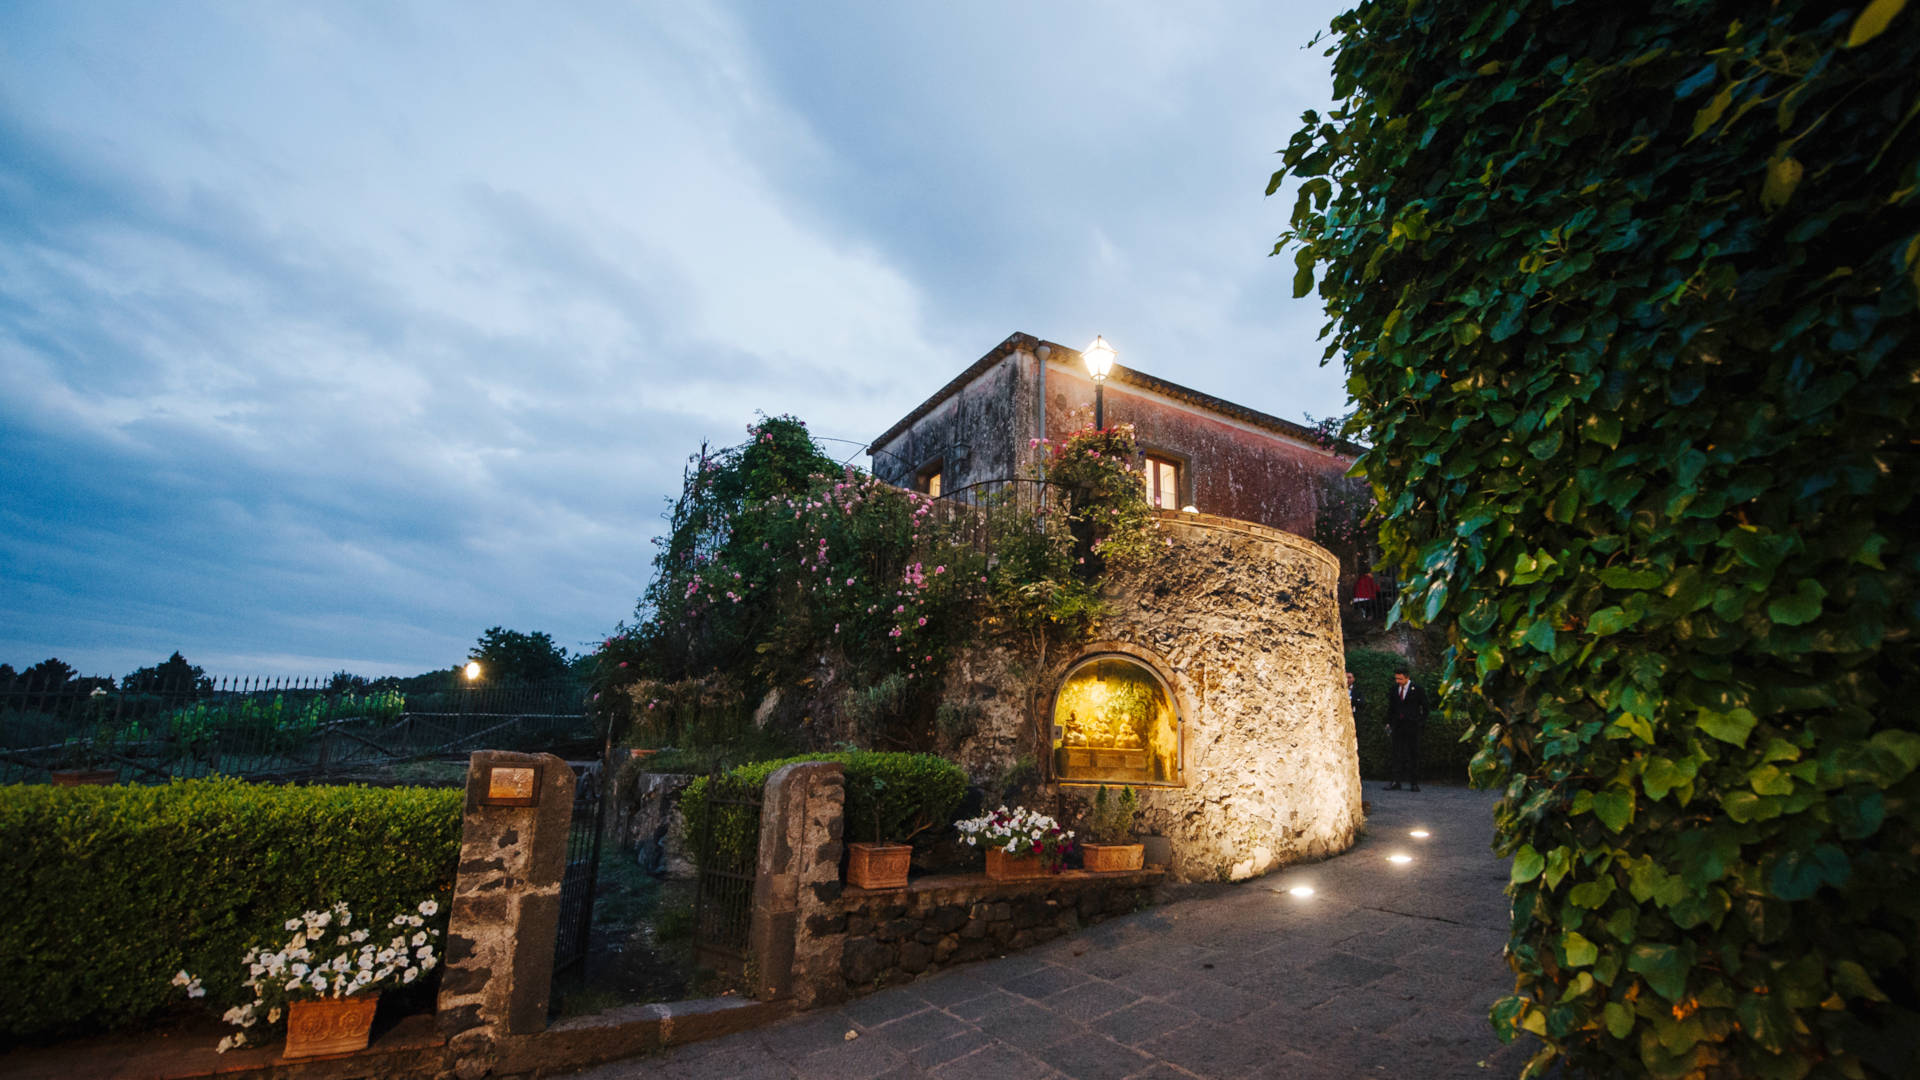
[1017,341]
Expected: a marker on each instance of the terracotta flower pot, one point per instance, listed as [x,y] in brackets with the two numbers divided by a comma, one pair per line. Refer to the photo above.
[638,754]
[1114,858]
[878,866]
[1004,867]
[84,777]
[329,1025]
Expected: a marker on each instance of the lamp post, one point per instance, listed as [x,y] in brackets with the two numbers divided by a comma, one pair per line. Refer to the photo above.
[1099,358]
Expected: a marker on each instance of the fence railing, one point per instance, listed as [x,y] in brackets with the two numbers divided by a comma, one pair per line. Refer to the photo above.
[265,729]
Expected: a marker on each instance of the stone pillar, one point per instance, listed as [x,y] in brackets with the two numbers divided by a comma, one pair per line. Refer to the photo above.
[505,910]
[799,867]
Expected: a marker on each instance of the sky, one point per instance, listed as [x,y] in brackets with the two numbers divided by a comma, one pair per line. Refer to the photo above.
[332,335]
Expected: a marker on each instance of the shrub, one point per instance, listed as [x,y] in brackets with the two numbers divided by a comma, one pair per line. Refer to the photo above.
[919,794]
[105,892]
[1628,298]
[1443,756]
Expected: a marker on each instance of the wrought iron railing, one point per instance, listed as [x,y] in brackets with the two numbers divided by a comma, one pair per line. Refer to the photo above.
[265,729]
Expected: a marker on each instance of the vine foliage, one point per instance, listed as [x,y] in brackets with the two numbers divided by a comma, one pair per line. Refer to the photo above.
[1627,298]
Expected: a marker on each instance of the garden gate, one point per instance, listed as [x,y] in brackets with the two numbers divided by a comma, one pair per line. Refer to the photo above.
[581,879]
[727,853]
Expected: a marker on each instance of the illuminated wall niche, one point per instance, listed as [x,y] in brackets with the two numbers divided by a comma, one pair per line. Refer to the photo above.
[1114,722]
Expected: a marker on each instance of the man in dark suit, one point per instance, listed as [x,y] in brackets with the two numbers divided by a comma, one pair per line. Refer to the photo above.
[1406,715]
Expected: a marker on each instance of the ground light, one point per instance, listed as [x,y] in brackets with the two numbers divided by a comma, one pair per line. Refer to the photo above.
[1419,834]
[1302,891]
[1399,858]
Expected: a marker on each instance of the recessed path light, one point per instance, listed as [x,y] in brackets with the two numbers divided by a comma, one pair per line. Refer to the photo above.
[1399,858]
[1419,834]
[1301,890]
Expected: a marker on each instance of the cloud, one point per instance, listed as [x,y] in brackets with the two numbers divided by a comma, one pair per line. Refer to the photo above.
[338,334]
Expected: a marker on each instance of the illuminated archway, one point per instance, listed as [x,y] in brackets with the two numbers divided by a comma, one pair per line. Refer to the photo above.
[1114,722]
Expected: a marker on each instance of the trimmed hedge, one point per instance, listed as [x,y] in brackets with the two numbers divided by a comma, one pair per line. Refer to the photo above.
[920,792]
[105,892]
[1442,755]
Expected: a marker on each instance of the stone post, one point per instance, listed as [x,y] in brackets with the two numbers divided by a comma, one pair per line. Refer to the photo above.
[798,867]
[506,907]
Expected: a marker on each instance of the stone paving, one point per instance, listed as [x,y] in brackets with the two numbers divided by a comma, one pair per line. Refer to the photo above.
[1388,969]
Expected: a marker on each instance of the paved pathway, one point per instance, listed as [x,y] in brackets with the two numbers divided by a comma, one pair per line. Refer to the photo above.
[1387,970]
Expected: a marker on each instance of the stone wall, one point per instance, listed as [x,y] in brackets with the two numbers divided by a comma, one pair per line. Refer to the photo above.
[1243,624]
[885,937]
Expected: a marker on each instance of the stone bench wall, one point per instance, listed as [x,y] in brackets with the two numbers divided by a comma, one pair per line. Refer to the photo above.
[891,936]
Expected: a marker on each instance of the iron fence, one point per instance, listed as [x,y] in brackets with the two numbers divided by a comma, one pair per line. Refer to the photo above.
[727,856]
[265,729]
[581,878]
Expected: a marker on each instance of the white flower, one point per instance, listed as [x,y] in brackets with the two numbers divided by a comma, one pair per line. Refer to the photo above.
[420,938]
[412,974]
[427,964]
[228,1043]
[273,1015]
[358,936]
[300,970]
[429,908]
[293,924]
[319,982]
[293,985]
[423,951]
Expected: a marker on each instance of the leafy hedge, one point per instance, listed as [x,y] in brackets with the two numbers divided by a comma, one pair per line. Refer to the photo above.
[918,792]
[1627,295]
[1443,756]
[105,892]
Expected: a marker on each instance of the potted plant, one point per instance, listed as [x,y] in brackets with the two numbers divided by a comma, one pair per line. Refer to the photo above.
[1111,824]
[879,863]
[326,979]
[1020,843]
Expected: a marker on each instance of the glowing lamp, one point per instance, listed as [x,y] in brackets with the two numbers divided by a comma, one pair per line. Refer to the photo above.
[1399,859]
[1099,358]
[472,670]
[1302,891]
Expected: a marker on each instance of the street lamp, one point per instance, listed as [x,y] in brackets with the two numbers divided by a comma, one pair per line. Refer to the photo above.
[1099,358]
[472,670]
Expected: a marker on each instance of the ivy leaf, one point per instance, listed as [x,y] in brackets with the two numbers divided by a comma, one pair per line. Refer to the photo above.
[1580,952]
[1783,176]
[1798,875]
[1619,1019]
[1801,608]
[1614,807]
[1609,620]
[1663,966]
[1873,21]
[1732,726]
[1852,980]
[1527,864]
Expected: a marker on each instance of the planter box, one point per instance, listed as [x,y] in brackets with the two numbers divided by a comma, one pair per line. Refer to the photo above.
[84,777]
[878,866]
[1113,858]
[329,1025]
[1004,867]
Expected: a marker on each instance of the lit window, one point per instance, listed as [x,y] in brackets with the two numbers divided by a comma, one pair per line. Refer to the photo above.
[1114,722]
[1163,482]
[933,485]
[930,477]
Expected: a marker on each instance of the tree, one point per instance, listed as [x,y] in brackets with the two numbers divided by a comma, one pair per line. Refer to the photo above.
[171,676]
[51,674]
[510,656]
[1629,298]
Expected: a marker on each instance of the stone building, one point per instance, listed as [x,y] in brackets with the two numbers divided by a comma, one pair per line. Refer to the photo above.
[1202,451]
[1216,687]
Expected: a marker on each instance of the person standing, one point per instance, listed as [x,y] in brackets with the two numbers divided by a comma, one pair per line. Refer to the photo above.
[1406,715]
[1355,699]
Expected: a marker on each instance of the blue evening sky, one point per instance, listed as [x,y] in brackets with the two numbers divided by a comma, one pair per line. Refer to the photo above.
[333,334]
